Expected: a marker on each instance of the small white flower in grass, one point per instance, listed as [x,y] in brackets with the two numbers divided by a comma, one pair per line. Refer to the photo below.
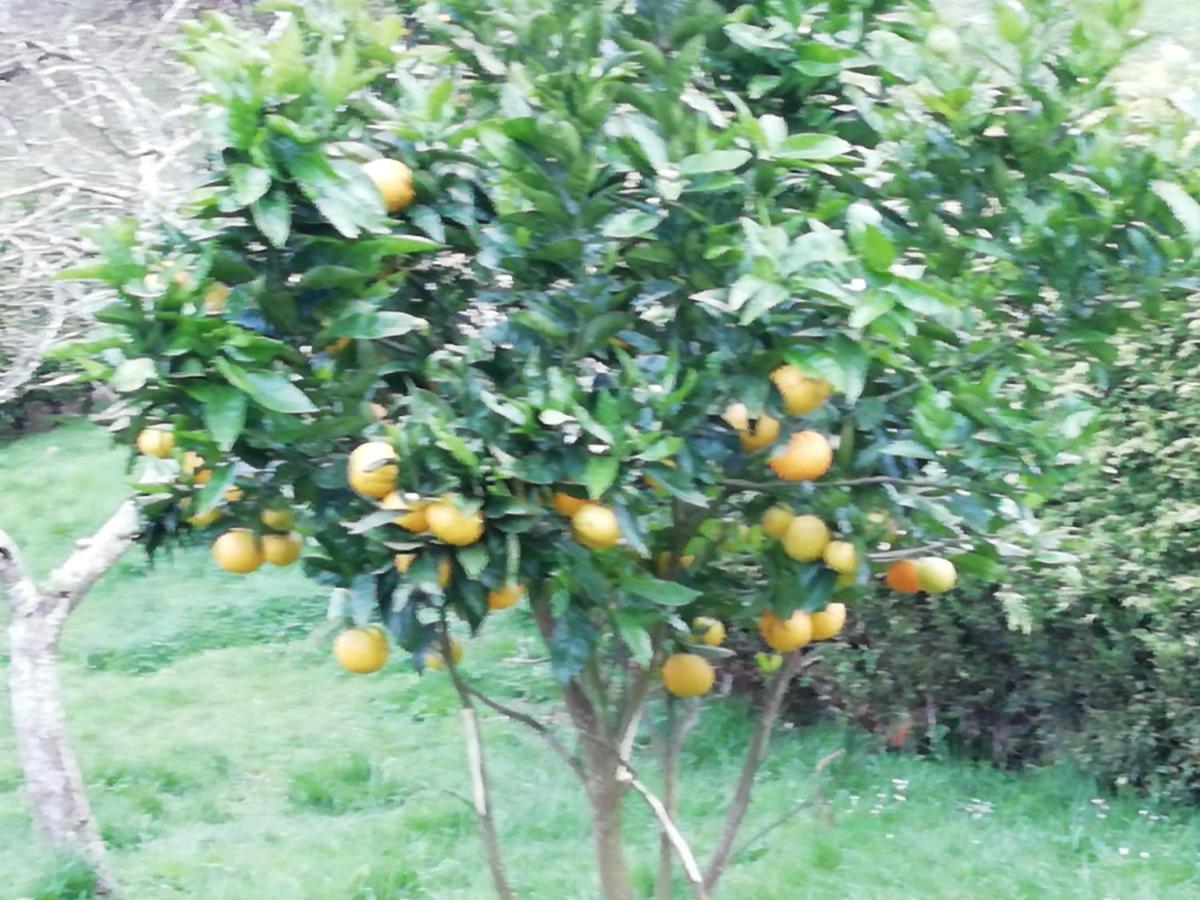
[1101,816]
[1124,851]
[1143,812]
[889,836]
[1144,855]
[1097,801]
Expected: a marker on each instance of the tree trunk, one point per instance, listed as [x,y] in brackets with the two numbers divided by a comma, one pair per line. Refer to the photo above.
[60,810]
[53,783]
[604,794]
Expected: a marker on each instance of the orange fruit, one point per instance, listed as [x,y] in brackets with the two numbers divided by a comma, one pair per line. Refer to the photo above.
[404,561]
[449,524]
[503,598]
[238,550]
[278,518]
[688,675]
[806,457]
[761,433]
[158,442]
[902,576]
[394,181]
[828,622]
[806,538]
[595,526]
[281,549]
[841,556]
[215,297]
[414,518]
[361,650]
[936,575]
[567,505]
[775,521]
[371,469]
[710,631]
[785,635]
[204,519]
[801,394]
[434,660]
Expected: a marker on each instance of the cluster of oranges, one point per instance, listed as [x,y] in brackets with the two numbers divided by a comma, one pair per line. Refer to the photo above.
[807,455]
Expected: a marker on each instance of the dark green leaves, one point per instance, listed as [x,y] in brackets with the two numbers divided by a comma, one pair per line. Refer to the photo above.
[272,216]
[713,161]
[224,413]
[663,593]
[571,643]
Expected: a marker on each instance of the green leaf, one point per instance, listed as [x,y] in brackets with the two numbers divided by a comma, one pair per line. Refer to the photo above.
[907,448]
[571,644]
[133,374]
[600,474]
[473,559]
[249,182]
[876,248]
[364,323]
[1183,207]
[214,489]
[812,148]
[224,413]
[663,593]
[631,223]
[272,216]
[635,636]
[270,390]
[458,448]
[713,161]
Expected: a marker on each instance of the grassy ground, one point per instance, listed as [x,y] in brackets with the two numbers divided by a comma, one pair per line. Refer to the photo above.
[228,758]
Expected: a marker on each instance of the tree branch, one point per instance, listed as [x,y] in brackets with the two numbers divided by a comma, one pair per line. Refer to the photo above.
[677,730]
[15,578]
[774,486]
[796,808]
[94,556]
[479,782]
[671,833]
[754,757]
[529,721]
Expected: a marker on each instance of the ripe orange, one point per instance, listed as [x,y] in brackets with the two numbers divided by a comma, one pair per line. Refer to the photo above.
[567,505]
[445,571]
[902,576]
[238,550]
[157,442]
[806,457]
[404,561]
[662,562]
[434,660]
[801,394]
[414,518]
[688,675]
[449,524]
[828,622]
[936,575]
[278,518]
[394,181]
[785,635]
[204,519]
[361,650]
[775,521]
[806,538]
[595,526]
[710,631]
[503,598]
[281,549]
[370,469]
[762,433]
[841,556]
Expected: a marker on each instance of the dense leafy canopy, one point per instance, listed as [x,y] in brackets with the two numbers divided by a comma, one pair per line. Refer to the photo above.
[627,216]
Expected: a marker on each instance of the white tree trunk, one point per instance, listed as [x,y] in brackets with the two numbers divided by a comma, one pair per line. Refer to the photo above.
[53,783]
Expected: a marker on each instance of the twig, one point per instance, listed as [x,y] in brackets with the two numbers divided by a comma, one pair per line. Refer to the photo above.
[677,730]
[796,808]
[687,859]
[773,486]
[530,722]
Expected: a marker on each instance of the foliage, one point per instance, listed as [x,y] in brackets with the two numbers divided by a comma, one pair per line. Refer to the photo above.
[1102,676]
[627,217]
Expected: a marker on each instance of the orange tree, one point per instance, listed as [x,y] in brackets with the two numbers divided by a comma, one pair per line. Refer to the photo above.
[611,310]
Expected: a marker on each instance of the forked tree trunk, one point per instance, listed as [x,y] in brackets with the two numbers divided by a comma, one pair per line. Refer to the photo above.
[53,783]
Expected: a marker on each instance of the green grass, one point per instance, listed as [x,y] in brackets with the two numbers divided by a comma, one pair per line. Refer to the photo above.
[227,758]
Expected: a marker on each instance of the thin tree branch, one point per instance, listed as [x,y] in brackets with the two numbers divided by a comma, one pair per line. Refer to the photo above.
[774,486]
[529,721]
[15,579]
[754,757]
[475,762]
[796,808]
[687,859]
[676,732]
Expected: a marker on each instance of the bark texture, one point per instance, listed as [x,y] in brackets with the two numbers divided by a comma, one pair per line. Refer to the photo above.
[53,783]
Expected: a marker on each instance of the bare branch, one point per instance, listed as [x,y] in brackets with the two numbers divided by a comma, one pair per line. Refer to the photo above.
[687,859]
[795,809]
[778,486]
[755,752]
[15,579]
[529,721]
[93,556]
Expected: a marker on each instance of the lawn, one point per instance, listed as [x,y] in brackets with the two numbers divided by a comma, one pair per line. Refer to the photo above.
[228,757]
